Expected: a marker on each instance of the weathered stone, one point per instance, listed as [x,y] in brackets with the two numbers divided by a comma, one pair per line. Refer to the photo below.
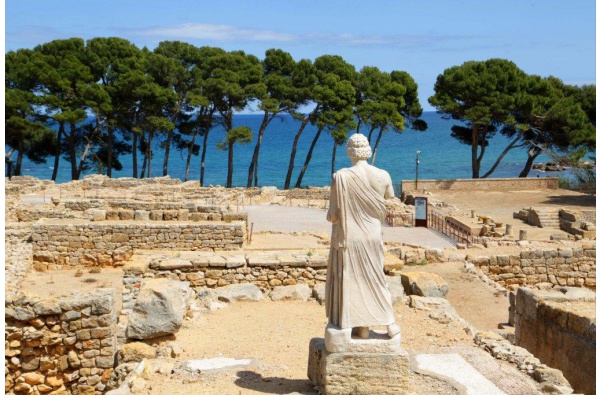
[318,292]
[141,215]
[43,256]
[33,378]
[396,289]
[237,292]
[46,307]
[159,308]
[424,284]
[424,303]
[291,292]
[136,352]
[357,373]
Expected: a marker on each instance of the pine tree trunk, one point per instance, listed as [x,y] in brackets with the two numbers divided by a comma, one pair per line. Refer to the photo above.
[167,150]
[203,158]
[308,158]
[109,153]
[508,148]
[189,157]
[531,156]
[252,169]
[474,145]
[288,177]
[134,147]
[230,164]
[59,134]
[72,152]
[149,152]
[370,134]
[377,145]
[333,157]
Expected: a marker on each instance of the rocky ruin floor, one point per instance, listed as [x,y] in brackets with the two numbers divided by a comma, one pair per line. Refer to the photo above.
[275,335]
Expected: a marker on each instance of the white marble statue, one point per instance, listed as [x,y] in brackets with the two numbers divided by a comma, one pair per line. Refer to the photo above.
[357,294]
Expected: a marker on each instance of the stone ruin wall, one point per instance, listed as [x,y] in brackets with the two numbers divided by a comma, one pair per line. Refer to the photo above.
[111,243]
[63,345]
[548,267]
[264,273]
[549,327]
[493,184]
[17,253]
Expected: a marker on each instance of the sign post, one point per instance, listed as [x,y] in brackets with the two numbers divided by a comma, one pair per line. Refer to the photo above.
[421,211]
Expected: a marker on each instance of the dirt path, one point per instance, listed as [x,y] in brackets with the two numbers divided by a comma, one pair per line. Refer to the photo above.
[474,300]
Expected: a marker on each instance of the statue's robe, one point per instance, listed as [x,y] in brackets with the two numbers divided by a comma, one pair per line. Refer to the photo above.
[357,293]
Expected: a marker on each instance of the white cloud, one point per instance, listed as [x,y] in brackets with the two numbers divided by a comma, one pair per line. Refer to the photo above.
[206,31]
[224,33]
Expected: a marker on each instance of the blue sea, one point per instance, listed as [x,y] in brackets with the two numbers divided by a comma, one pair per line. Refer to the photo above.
[441,156]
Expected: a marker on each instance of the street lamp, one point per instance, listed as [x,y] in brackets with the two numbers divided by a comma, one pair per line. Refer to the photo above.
[417,172]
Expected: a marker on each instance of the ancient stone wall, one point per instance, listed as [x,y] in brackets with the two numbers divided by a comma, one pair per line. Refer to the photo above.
[493,184]
[306,193]
[542,267]
[17,253]
[66,344]
[110,243]
[560,330]
[265,270]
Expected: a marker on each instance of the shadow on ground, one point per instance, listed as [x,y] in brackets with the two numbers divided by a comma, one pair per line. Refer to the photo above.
[569,200]
[272,385]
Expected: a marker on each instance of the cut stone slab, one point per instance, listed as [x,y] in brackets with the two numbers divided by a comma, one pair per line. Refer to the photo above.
[424,284]
[341,341]
[357,372]
[214,364]
[238,292]
[453,368]
[397,289]
[318,293]
[423,303]
[159,308]
[291,292]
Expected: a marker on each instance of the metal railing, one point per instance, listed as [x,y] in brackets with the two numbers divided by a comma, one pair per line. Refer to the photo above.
[439,222]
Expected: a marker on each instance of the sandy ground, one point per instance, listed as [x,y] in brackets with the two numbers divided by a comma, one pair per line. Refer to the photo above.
[501,205]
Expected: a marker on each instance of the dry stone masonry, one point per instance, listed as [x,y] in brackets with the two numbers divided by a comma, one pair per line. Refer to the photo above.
[559,327]
[542,267]
[66,344]
[58,243]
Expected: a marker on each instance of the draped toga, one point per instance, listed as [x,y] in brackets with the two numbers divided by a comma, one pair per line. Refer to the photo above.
[357,293]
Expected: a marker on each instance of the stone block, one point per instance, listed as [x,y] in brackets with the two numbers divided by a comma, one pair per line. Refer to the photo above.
[424,284]
[237,292]
[357,373]
[341,341]
[136,352]
[141,215]
[291,292]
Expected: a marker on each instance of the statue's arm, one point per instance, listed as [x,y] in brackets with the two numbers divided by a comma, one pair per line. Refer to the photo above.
[332,213]
[389,187]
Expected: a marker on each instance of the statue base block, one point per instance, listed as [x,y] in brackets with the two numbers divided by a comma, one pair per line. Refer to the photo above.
[357,372]
[341,340]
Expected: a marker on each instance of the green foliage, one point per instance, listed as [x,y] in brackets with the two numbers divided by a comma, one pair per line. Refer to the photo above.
[541,114]
[178,92]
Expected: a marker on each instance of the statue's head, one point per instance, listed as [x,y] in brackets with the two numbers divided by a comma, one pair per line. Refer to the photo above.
[358,147]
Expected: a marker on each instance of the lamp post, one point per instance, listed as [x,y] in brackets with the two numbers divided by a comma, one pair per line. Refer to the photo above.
[417,172]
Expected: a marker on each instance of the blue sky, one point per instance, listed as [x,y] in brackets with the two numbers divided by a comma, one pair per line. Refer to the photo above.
[544,37]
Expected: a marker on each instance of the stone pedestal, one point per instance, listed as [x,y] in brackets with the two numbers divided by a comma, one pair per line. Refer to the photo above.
[358,366]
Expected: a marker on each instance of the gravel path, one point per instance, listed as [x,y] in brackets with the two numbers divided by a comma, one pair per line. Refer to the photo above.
[287,219]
